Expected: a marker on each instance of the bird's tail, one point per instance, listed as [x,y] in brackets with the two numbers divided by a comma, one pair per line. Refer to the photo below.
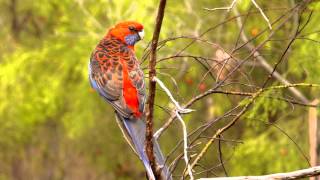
[134,131]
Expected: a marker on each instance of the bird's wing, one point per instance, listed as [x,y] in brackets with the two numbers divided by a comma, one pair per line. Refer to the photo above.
[105,74]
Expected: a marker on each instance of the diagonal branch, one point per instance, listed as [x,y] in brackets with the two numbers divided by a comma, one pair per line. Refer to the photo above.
[262,13]
[265,64]
[245,108]
[179,110]
[298,31]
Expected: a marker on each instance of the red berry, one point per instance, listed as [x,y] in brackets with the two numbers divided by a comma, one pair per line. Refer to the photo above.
[202,87]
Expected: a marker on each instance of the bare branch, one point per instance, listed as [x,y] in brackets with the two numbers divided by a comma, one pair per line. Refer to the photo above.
[265,64]
[242,112]
[178,110]
[152,88]
[262,13]
[221,156]
[233,4]
[178,107]
[230,124]
[310,172]
[286,50]
[223,8]
[185,145]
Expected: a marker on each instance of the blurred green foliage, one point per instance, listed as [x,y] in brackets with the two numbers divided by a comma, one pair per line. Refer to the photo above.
[54,126]
[270,151]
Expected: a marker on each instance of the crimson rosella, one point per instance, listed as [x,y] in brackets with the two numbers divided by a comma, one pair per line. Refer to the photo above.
[114,72]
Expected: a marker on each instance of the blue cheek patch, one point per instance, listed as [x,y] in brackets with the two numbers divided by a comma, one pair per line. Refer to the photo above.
[132,39]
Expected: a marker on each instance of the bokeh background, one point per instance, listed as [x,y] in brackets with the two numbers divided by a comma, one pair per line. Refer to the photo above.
[54,126]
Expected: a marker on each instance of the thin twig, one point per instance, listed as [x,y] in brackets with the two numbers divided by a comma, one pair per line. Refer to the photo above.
[228,8]
[179,110]
[242,112]
[185,145]
[298,31]
[223,8]
[221,156]
[178,107]
[264,62]
[262,13]
[291,139]
[221,130]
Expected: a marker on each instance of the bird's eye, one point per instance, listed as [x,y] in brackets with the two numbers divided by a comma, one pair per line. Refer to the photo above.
[131,28]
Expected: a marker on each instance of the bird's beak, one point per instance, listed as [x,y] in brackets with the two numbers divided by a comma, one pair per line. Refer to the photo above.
[141,34]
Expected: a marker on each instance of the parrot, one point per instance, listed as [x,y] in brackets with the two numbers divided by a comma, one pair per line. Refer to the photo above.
[115,73]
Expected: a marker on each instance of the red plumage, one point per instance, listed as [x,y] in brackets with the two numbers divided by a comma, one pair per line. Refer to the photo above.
[115,73]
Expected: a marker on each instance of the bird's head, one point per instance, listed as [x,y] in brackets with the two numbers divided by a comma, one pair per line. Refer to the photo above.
[128,32]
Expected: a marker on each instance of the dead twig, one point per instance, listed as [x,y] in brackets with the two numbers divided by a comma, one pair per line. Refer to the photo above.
[228,8]
[245,108]
[179,110]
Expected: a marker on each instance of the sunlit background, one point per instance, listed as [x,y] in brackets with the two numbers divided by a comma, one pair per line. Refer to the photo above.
[54,126]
